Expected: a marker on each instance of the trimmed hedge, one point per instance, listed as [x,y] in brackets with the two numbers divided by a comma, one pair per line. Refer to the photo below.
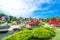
[22,35]
[41,33]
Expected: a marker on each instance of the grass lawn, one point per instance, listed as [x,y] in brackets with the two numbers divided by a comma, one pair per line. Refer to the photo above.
[57,37]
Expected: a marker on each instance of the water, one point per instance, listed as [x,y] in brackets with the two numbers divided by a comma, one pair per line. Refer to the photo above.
[2,35]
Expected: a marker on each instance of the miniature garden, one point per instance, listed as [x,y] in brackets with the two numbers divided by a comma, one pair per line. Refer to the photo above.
[30,28]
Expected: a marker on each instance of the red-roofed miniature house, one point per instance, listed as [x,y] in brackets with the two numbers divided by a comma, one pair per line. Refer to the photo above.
[55,22]
[33,23]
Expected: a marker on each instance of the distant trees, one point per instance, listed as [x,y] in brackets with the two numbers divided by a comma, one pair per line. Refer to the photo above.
[12,18]
[2,14]
[53,18]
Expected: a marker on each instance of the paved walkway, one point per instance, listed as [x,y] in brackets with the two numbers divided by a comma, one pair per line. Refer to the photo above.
[13,27]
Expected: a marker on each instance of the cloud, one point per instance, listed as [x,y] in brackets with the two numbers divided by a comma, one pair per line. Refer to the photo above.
[22,8]
[51,11]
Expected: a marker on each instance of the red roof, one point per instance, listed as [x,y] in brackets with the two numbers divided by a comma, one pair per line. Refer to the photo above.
[55,22]
[30,23]
[58,24]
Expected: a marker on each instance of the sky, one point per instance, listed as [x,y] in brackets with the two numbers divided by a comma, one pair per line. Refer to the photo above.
[31,8]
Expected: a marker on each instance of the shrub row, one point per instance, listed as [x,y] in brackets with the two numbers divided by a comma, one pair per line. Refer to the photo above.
[41,33]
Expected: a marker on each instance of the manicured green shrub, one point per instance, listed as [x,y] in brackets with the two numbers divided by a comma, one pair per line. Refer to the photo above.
[25,35]
[48,27]
[40,33]
[41,24]
[51,30]
[22,35]
[8,37]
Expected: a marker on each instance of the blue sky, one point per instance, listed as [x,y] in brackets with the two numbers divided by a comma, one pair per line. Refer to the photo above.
[31,8]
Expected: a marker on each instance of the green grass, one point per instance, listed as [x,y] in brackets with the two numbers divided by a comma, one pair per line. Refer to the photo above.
[57,37]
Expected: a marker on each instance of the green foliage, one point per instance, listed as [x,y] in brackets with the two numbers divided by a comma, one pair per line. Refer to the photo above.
[22,35]
[13,22]
[43,32]
[41,24]
[25,35]
[8,21]
[2,14]
[40,33]
[12,18]
[1,22]
[51,30]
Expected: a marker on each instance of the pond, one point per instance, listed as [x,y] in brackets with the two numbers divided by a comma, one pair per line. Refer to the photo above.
[2,35]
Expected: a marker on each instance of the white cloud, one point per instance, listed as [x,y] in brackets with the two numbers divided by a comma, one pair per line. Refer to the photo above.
[51,11]
[22,8]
